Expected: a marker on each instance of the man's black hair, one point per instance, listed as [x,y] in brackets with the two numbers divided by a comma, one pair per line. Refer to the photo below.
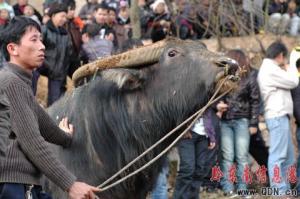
[102,6]
[56,8]
[130,44]
[275,49]
[14,31]
[92,30]
[112,9]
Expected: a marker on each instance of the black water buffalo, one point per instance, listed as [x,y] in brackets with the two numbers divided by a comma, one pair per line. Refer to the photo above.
[120,112]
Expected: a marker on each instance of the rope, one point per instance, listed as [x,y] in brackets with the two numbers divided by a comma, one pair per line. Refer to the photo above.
[196,116]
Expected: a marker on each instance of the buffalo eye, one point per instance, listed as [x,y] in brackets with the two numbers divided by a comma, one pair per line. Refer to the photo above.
[172,53]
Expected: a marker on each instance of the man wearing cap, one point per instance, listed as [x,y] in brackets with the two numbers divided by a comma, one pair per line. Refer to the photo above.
[58,51]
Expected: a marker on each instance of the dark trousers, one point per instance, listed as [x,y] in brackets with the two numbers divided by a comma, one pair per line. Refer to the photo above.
[196,161]
[18,191]
[56,88]
[258,149]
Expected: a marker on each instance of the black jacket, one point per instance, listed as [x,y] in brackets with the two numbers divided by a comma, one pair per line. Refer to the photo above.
[5,125]
[59,49]
[296,103]
[245,101]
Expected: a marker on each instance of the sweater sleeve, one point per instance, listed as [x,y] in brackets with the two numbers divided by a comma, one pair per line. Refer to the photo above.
[49,130]
[4,124]
[34,146]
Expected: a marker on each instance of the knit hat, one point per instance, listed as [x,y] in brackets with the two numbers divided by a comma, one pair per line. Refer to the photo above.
[123,4]
[154,5]
[56,8]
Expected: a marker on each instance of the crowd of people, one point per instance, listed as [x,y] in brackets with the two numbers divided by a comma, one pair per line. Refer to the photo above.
[224,136]
[102,28]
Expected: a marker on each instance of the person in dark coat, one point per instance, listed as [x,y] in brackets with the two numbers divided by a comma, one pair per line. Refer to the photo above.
[239,120]
[59,49]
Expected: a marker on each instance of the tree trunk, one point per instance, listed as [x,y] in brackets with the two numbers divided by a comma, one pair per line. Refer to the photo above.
[135,20]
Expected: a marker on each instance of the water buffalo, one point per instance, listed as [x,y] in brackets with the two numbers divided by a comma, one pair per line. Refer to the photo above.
[120,112]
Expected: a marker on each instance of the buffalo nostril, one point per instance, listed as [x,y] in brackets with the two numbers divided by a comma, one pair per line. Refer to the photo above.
[233,67]
[230,65]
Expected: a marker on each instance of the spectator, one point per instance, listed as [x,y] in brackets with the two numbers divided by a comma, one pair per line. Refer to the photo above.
[160,23]
[19,9]
[197,152]
[279,18]
[100,15]
[295,60]
[145,15]
[253,9]
[192,26]
[29,155]
[123,16]
[93,46]
[6,6]
[239,113]
[101,18]
[73,26]
[4,17]
[59,48]
[86,12]
[295,19]
[121,32]
[276,79]
[29,12]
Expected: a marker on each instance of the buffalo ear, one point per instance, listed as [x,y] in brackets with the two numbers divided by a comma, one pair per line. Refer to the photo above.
[125,79]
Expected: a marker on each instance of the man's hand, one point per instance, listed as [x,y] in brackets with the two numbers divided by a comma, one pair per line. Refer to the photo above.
[252,130]
[80,190]
[65,126]
[222,107]
[211,145]
[188,135]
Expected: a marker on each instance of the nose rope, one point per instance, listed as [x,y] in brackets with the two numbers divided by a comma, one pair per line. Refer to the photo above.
[194,118]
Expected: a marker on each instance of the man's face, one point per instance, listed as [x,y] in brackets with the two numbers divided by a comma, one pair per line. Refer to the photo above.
[101,16]
[28,11]
[4,14]
[71,13]
[30,52]
[112,16]
[59,19]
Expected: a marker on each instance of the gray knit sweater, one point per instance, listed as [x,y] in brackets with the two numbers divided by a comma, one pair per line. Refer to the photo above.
[29,155]
[4,125]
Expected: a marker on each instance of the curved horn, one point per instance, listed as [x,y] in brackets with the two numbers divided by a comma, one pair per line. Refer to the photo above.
[144,55]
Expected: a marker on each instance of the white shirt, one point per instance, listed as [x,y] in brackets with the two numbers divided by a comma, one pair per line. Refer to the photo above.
[199,127]
[275,85]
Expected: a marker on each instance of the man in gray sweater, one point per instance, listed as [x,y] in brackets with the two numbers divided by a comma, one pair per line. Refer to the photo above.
[28,154]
